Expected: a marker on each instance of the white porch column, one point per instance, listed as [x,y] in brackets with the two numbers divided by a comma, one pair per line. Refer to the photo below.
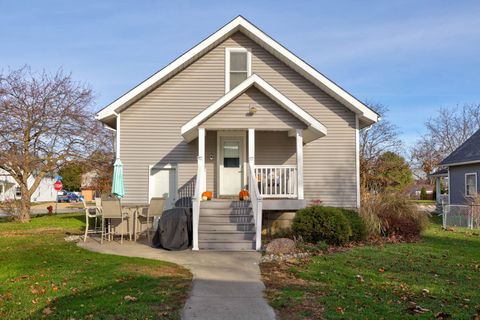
[299,137]
[438,190]
[251,147]
[201,157]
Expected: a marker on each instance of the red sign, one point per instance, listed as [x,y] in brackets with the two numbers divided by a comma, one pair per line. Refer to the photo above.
[58,185]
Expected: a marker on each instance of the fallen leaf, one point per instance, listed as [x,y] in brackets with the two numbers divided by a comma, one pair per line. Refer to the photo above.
[442,315]
[130,298]
[47,311]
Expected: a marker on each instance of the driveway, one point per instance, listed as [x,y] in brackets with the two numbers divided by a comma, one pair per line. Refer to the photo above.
[226,285]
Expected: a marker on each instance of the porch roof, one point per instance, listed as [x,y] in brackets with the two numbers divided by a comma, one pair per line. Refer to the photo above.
[314,128]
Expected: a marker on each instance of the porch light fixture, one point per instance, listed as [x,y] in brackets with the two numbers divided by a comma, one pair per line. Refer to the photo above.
[252,110]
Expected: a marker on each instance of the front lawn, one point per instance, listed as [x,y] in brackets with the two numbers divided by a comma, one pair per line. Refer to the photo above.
[438,277]
[41,276]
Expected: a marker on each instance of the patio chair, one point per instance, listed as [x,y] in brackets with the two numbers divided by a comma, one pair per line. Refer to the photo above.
[98,205]
[90,213]
[112,210]
[154,210]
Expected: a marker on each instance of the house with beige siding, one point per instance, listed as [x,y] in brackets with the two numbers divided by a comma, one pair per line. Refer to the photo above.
[239,111]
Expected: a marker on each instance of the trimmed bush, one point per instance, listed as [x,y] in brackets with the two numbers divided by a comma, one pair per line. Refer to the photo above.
[357,225]
[317,223]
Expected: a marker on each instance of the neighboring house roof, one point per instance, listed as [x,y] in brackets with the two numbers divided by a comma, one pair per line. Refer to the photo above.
[366,115]
[315,129]
[87,179]
[440,173]
[468,152]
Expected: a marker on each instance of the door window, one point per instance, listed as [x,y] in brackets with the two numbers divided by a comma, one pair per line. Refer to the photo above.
[231,154]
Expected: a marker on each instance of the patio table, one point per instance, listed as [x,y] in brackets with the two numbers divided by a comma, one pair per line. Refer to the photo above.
[135,208]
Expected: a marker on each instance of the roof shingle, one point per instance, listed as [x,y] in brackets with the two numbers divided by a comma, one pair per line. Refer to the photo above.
[467,152]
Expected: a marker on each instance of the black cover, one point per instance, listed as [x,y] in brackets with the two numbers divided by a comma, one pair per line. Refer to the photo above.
[174,230]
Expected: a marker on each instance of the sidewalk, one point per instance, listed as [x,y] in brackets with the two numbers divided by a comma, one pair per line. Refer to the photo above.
[226,285]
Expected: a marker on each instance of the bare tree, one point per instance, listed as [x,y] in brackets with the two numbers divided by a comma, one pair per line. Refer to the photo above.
[445,133]
[375,141]
[379,138]
[44,123]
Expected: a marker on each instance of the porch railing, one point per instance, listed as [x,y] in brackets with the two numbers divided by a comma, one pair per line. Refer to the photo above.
[257,206]
[277,181]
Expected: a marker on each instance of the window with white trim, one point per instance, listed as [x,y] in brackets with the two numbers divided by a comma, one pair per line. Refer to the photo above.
[237,67]
[470,184]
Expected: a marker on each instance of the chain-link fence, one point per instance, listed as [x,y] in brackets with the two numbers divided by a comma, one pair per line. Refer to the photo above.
[466,216]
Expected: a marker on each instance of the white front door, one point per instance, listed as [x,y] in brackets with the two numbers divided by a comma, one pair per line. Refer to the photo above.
[163,183]
[230,165]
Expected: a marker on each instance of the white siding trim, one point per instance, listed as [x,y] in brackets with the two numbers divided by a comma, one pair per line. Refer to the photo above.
[201,156]
[240,23]
[117,136]
[251,147]
[232,133]
[449,186]
[470,174]
[357,159]
[460,163]
[313,125]
[227,64]
[299,141]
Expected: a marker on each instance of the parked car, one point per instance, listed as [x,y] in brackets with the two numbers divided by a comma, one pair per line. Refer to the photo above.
[65,196]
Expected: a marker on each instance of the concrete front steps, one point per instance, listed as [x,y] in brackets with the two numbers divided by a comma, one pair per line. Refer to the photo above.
[226,225]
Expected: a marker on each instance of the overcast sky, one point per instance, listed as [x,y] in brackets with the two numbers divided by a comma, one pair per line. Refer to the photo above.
[412,56]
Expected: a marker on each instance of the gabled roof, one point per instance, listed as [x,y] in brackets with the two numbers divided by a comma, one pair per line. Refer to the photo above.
[366,115]
[314,130]
[468,152]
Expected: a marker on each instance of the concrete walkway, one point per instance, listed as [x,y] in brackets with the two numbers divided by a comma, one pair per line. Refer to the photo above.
[226,285]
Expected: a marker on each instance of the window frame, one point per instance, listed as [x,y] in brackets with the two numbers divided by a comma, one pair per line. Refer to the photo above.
[228,51]
[476,182]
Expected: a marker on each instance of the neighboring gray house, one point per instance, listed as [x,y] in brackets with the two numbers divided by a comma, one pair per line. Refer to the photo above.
[462,167]
[236,111]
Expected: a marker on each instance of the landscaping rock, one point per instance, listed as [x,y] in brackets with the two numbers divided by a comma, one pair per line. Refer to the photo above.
[281,246]
[72,238]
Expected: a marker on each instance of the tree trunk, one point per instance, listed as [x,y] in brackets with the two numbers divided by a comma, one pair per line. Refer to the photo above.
[25,205]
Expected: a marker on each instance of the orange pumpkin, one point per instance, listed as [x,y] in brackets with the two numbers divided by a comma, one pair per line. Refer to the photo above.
[244,195]
[207,195]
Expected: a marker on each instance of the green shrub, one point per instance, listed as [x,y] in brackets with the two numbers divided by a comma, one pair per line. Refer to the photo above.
[357,225]
[317,223]
[423,194]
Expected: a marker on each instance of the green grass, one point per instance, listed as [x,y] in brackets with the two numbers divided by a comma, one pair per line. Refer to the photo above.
[441,273]
[423,201]
[41,274]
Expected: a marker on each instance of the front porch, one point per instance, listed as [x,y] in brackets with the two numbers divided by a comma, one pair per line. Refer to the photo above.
[276,186]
